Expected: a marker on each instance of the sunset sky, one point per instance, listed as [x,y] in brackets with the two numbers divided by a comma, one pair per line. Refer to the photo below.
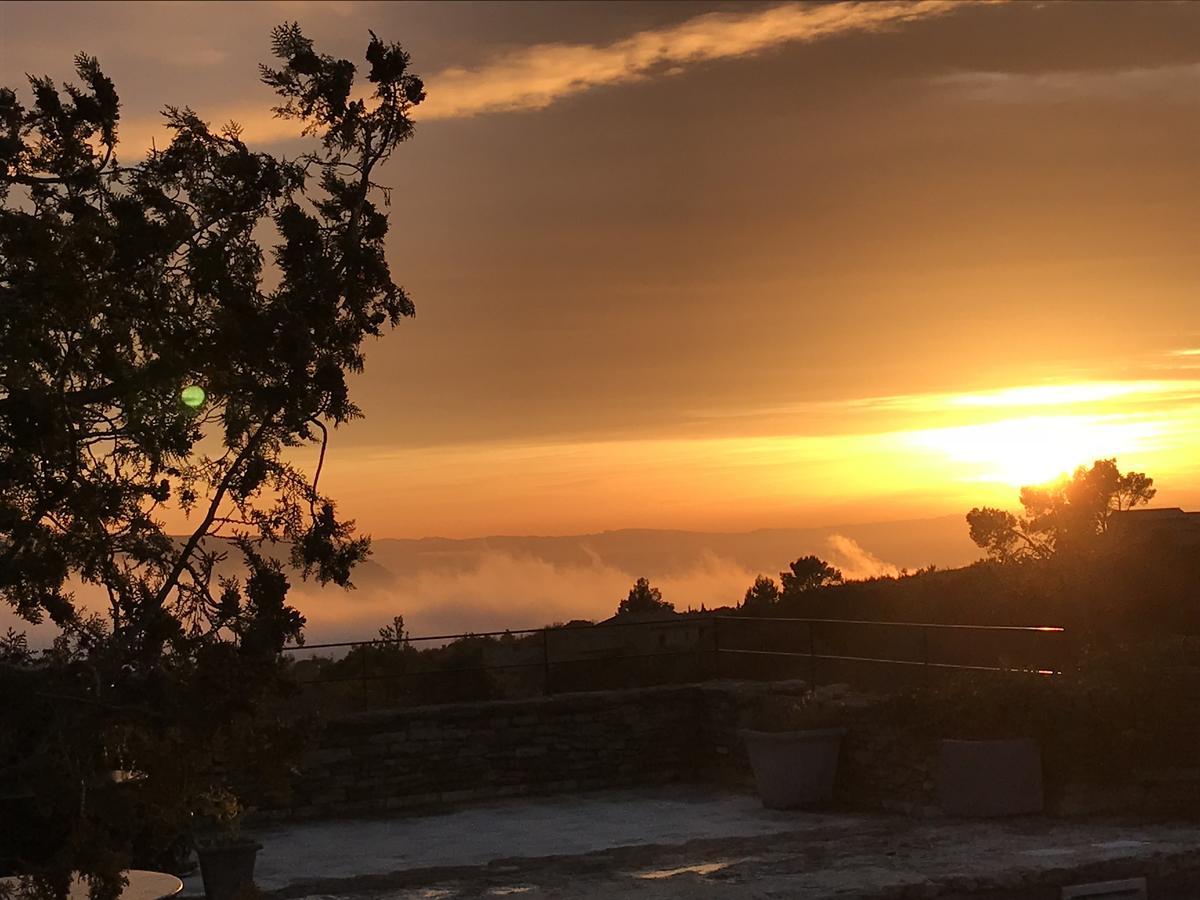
[723,266]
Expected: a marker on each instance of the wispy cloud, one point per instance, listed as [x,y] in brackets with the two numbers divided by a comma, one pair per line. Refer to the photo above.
[1048,395]
[491,590]
[856,562]
[535,77]
[1061,395]
[1174,82]
[199,57]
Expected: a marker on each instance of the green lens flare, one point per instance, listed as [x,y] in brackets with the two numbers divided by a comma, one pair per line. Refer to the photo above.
[193,396]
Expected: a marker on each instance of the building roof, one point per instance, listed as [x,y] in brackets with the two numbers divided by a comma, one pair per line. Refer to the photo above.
[650,615]
[1157,512]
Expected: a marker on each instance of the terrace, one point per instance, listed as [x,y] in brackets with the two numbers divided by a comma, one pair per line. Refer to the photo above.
[646,791]
[692,840]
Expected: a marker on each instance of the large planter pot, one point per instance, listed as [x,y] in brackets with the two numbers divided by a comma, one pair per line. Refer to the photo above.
[794,768]
[990,778]
[227,868]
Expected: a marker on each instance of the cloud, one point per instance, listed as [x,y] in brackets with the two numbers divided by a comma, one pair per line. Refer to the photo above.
[1063,395]
[501,590]
[494,591]
[532,78]
[857,563]
[308,8]
[490,590]
[1055,395]
[191,55]
[1174,82]
[258,126]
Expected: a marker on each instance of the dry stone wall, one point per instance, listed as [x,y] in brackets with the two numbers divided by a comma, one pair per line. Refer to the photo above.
[421,756]
[435,755]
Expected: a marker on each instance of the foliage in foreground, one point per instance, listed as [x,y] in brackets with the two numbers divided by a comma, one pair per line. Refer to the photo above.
[158,349]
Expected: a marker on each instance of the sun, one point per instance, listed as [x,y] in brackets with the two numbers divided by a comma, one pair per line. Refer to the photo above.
[1033,449]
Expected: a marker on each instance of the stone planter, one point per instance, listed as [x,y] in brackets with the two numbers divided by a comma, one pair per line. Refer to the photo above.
[990,778]
[227,868]
[794,768]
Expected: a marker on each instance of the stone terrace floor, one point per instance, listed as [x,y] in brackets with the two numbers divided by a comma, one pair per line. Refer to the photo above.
[707,842]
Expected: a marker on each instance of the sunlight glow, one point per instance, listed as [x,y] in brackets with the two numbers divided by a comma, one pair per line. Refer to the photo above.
[1035,449]
[913,455]
[1061,394]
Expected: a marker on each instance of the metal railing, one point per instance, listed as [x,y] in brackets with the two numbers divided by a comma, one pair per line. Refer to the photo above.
[924,629]
[713,642]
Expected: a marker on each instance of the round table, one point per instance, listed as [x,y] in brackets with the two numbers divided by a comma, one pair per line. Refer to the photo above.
[143,885]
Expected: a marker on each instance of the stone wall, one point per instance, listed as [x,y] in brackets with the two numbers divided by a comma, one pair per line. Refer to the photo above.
[432,755]
[403,758]
[435,755]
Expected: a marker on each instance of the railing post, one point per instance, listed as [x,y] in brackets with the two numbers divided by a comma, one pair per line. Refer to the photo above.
[364,681]
[812,656]
[716,624]
[925,653]
[546,661]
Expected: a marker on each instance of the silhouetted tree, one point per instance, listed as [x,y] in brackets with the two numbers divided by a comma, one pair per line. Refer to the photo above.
[807,574]
[139,318]
[642,599]
[762,595]
[1067,515]
[395,633]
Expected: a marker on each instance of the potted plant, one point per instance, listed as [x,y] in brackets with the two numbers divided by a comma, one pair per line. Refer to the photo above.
[989,777]
[226,856]
[989,763]
[793,749]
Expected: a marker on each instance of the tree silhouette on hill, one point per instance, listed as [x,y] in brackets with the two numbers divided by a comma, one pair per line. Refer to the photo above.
[762,595]
[643,598]
[1066,516]
[807,574]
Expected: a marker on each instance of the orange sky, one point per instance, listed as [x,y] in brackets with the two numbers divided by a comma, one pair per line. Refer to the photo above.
[724,266]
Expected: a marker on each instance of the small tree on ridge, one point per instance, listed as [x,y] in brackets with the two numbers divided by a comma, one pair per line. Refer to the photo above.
[762,595]
[643,598]
[807,574]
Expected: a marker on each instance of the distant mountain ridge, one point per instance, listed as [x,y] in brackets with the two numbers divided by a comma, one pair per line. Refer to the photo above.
[444,585]
[910,544]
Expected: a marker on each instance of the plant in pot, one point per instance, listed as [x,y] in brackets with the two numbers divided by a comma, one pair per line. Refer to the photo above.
[793,746]
[226,856]
[989,761]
